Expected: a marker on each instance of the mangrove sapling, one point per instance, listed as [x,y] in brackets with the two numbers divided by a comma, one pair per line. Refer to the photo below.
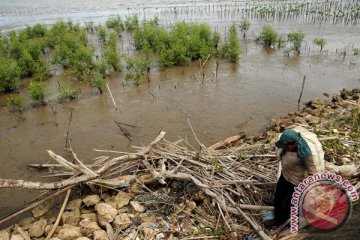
[269,36]
[356,52]
[102,33]
[216,39]
[244,27]
[131,23]
[138,68]
[16,103]
[41,72]
[97,81]
[321,42]
[37,91]
[9,75]
[26,63]
[65,92]
[296,38]
[112,57]
[231,49]
[115,23]
[103,68]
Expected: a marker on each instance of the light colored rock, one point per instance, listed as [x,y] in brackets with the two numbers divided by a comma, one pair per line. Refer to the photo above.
[88,227]
[147,233]
[137,206]
[74,205]
[55,238]
[312,119]
[100,235]
[105,213]
[42,208]
[71,217]
[68,232]
[37,229]
[82,238]
[26,223]
[48,229]
[89,216]
[4,234]
[91,200]
[122,199]
[16,237]
[122,221]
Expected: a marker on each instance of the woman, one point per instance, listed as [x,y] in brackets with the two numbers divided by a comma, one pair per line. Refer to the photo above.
[297,161]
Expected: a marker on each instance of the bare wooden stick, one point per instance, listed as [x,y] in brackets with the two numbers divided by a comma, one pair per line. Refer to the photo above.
[51,233]
[301,92]
[124,131]
[68,131]
[112,98]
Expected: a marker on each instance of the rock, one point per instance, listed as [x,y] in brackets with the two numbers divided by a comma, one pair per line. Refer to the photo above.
[87,227]
[89,216]
[345,93]
[48,229]
[122,221]
[4,234]
[122,199]
[312,119]
[100,235]
[82,238]
[74,205]
[105,213]
[91,200]
[16,237]
[147,233]
[37,229]
[300,120]
[42,208]
[71,217]
[355,97]
[345,160]
[68,232]
[344,170]
[26,223]
[137,206]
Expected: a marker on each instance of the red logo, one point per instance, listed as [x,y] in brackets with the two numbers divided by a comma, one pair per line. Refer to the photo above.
[325,206]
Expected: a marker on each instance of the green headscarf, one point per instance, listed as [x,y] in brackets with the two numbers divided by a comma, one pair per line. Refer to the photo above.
[288,136]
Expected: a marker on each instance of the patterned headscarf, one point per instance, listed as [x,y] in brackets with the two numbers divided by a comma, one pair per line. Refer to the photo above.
[288,136]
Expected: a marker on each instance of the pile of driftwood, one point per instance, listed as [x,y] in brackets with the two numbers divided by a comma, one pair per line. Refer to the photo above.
[237,182]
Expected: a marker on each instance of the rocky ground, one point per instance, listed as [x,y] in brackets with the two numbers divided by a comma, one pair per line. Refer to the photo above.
[179,210]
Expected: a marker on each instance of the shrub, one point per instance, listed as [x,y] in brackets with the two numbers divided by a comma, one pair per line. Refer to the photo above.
[97,81]
[131,23]
[102,33]
[41,72]
[269,36]
[112,41]
[321,42]
[112,57]
[36,31]
[137,68]
[244,27]
[103,68]
[65,92]
[116,24]
[26,63]
[9,75]
[16,103]
[231,49]
[296,38]
[37,91]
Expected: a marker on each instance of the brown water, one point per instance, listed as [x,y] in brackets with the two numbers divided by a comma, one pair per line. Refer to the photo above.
[244,97]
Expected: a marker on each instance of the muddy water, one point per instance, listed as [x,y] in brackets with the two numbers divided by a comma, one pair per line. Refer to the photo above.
[244,96]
